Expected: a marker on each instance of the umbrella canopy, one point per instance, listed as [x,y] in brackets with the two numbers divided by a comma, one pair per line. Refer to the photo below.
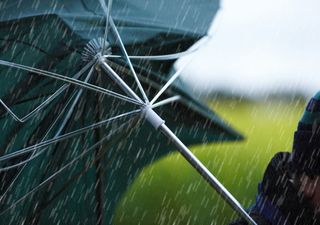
[72,144]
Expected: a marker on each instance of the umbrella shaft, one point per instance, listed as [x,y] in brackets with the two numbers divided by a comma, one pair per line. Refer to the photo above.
[115,77]
[206,174]
[158,123]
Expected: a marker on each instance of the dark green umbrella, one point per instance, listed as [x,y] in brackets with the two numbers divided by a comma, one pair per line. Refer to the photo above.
[72,143]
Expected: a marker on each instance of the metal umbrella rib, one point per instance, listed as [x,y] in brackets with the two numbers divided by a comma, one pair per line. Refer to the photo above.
[64,136]
[69,80]
[54,176]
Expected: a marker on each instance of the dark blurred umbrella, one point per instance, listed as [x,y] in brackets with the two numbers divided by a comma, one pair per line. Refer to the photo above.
[74,142]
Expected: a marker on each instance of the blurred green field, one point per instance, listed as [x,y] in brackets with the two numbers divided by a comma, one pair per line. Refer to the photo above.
[171,192]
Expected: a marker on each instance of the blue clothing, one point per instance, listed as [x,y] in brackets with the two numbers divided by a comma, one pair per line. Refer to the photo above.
[270,212]
[278,201]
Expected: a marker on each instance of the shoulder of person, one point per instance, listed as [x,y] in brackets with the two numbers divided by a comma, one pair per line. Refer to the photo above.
[278,165]
[280,159]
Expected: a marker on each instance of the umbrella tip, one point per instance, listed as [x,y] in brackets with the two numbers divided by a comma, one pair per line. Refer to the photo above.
[95,48]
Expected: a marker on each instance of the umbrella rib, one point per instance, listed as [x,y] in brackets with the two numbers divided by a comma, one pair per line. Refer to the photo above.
[195,47]
[70,81]
[117,79]
[24,162]
[166,101]
[107,11]
[115,30]
[79,93]
[173,56]
[64,136]
[47,101]
[32,156]
[159,57]
[54,175]
[169,82]
[43,150]
[76,100]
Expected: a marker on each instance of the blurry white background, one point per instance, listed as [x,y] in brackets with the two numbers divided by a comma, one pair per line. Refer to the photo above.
[260,47]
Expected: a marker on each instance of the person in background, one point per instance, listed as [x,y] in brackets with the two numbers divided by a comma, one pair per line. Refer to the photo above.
[289,193]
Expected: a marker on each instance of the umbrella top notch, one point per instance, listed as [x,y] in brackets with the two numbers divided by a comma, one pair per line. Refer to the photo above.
[96,48]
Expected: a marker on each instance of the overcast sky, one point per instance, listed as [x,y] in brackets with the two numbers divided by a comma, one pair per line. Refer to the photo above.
[261,46]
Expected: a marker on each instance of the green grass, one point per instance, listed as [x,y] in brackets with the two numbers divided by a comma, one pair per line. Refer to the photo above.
[171,192]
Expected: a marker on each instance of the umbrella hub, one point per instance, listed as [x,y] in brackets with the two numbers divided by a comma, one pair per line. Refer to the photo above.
[96,48]
[152,117]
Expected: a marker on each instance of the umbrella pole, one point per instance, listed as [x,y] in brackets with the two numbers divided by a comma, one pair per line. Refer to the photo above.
[206,174]
[157,122]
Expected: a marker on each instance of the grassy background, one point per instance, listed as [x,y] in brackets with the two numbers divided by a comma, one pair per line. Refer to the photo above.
[171,192]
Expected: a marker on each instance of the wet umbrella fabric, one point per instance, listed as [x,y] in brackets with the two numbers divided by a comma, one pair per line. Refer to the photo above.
[80,179]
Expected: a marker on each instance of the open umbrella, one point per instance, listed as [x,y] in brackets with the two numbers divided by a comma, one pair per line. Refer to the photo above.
[74,142]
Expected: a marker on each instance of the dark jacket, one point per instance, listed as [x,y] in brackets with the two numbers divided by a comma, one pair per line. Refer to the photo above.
[278,201]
